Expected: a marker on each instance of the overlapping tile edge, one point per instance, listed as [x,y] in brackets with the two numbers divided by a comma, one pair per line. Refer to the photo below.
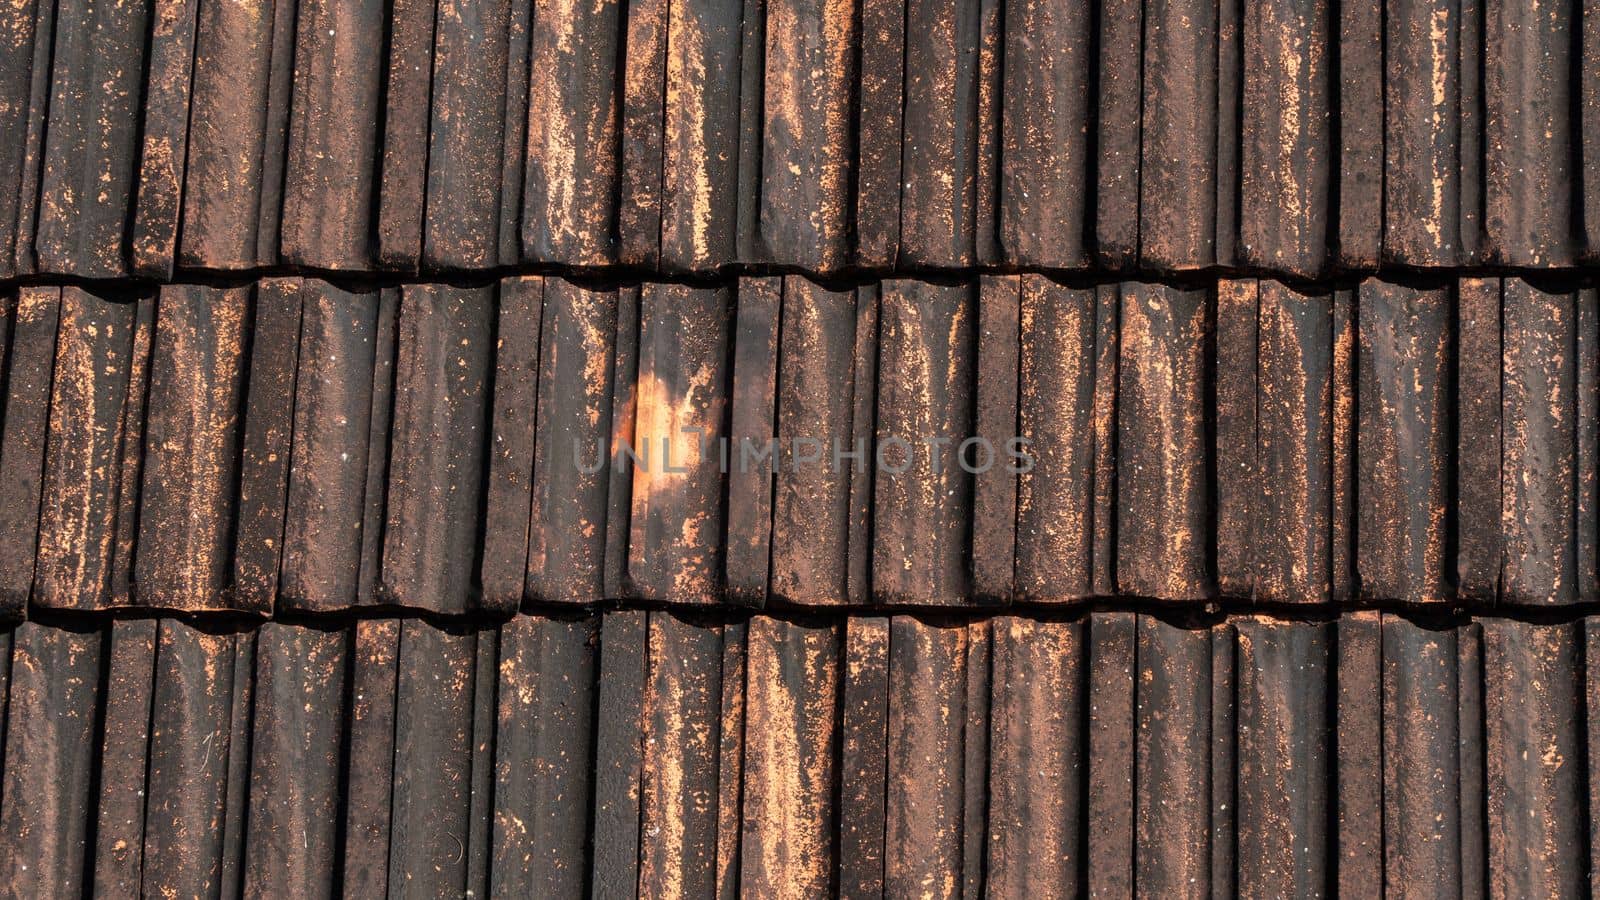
[296,598]
[1299,138]
[662,752]
[295,446]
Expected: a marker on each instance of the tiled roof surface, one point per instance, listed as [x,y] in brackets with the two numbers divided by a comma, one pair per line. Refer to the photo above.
[295,446]
[387,389]
[897,756]
[1299,137]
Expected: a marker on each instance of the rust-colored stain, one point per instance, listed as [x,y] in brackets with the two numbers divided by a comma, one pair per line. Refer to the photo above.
[798,448]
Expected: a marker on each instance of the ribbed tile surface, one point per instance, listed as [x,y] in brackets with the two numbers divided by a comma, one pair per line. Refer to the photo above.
[296,446]
[670,754]
[874,448]
[1299,137]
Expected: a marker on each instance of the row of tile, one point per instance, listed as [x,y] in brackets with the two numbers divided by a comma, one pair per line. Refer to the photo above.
[664,756]
[1289,135]
[296,446]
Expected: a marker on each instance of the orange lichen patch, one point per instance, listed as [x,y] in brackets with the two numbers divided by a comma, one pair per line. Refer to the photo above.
[670,427]
[677,507]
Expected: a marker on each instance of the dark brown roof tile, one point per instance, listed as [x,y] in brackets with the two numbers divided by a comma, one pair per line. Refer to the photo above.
[922,497]
[816,425]
[407,116]
[544,750]
[301,673]
[431,834]
[995,426]
[1285,179]
[335,388]
[1056,383]
[1177,166]
[1528,134]
[29,382]
[619,753]
[164,141]
[1403,460]
[334,141]
[806,129]
[443,376]
[267,427]
[188,501]
[567,524]
[466,135]
[228,129]
[753,424]
[367,773]
[90,162]
[91,481]
[510,485]
[202,678]
[1044,214]
[700,136]
[572,180]
[1162,477]
[53,694]
[125,755]
[1298,407]
[1547,340]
